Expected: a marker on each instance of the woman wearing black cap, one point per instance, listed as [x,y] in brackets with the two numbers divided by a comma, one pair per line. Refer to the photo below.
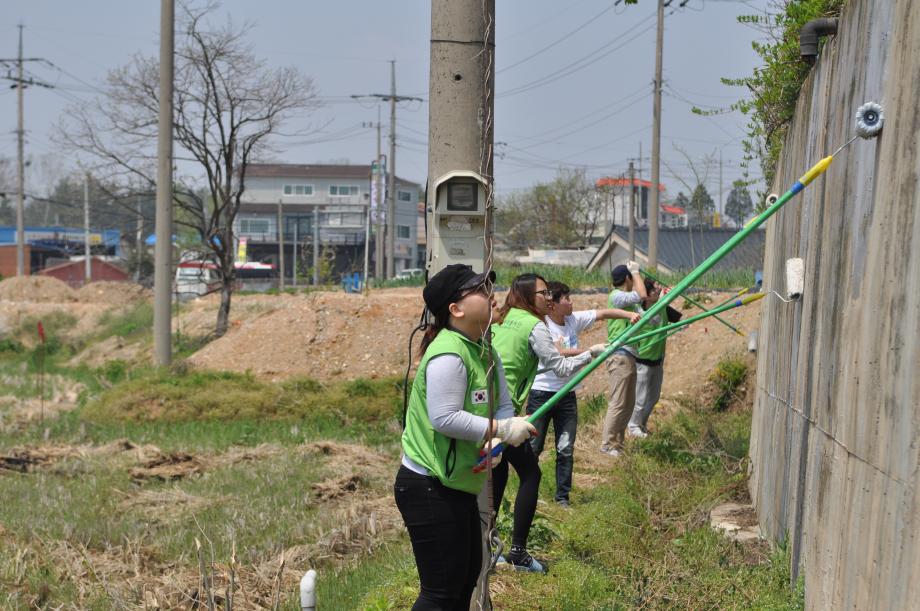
[524,343]
[447,424]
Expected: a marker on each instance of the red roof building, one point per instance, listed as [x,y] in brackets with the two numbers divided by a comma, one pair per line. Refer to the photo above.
[72,272]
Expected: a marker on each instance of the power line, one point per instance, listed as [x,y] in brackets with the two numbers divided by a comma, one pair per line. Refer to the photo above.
[591,124]
[579,64]
[557,41]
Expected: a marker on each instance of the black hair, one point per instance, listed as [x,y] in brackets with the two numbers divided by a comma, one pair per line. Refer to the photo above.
[558,289]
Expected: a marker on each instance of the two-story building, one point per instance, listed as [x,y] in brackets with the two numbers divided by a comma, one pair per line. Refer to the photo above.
[339,196]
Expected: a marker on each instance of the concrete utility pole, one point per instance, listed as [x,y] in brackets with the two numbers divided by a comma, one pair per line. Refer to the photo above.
[632,211]
[87,258]
[391,187]
[139,241]
[656,145]
[461,137]
[162,274]
[280,249]
[20,85]
[294,255]
[20,164]
[721,207]
[315,246]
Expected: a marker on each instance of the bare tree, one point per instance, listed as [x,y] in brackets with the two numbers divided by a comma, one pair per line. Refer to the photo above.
[700,169]
[228,104]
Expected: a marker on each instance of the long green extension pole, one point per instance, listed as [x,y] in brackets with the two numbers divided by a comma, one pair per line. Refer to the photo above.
[696,303]
[670,329]
[631,331]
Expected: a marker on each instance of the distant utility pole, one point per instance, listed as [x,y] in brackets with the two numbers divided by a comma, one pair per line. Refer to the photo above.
[721,208]
[88,266]
[632,211]
[280,249]
[316,246]
[391,187]
[391,163]
[656,145]
[294,254]
[21,84]
[162,271]
[139,240]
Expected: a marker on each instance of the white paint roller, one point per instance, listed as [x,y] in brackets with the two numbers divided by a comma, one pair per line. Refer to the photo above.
[795,278]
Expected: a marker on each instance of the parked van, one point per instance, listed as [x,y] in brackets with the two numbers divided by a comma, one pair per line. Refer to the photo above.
[196,278]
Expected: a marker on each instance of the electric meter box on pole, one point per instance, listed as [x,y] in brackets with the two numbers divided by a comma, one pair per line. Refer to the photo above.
[457,221]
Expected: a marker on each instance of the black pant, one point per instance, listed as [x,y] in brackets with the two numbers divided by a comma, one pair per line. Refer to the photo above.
[443,525]
[565,422]
[525,505]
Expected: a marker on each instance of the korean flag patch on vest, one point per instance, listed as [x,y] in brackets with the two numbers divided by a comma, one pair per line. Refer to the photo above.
[478,397]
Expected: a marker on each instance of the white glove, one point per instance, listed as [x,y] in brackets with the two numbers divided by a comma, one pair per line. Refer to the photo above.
[514,431]
[596,350]
[495,459]
[632,267]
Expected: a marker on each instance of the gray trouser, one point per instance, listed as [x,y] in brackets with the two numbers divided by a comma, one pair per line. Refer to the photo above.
[648,391]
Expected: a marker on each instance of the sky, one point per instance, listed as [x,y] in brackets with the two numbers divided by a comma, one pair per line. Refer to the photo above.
[573,81]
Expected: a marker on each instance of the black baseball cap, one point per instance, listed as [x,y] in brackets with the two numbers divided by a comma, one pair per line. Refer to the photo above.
[445,287]
[619,274]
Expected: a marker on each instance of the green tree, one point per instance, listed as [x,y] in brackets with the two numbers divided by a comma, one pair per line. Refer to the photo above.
[682,202]
[702,205]
[563,213]
[739,204]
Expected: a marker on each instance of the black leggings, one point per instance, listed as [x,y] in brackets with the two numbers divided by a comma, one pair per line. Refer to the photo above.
[443,525]
[525,464]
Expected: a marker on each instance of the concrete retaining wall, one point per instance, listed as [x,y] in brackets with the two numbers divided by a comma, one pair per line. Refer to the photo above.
[835,441]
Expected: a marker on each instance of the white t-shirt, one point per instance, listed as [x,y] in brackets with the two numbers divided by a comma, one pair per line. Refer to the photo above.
[575,323]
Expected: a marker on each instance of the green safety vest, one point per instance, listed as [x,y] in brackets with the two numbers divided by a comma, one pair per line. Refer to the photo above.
[650,349]
[511,341]
[449,460]
[616,326]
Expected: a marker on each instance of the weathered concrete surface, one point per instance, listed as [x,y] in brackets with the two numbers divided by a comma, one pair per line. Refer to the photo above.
[836,427]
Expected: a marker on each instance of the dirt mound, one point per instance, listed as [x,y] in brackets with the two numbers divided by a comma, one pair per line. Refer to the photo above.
[113,293]
[345,457]
[325,336]
[167,467]
[357,529]
[40,289]
[24,460]
[337,487]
